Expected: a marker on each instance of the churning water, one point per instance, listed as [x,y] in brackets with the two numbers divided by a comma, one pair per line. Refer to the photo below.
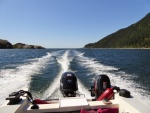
[40,70]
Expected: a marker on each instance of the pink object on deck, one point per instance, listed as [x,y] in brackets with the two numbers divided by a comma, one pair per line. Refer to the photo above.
[107,110]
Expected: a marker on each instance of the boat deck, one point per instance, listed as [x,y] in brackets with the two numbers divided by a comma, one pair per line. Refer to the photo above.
[75,104]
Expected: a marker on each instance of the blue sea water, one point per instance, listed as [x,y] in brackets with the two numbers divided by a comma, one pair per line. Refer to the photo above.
[40,70]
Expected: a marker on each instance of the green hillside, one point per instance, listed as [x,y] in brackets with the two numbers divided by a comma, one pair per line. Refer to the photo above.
[135,36]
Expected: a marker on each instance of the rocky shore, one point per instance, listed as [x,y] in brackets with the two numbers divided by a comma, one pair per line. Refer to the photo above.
[4,44]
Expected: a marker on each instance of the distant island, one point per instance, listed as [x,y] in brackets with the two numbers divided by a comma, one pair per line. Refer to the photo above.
[4,44]
[135,36]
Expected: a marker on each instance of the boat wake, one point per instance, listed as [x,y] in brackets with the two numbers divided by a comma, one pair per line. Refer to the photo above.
[53,91]
[19,78]
[86,69]
[117,78]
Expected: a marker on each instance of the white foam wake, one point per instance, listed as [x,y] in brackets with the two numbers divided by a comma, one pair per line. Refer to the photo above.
[83,90]
[93,65]
[117,78]
[18,78]
[64,62]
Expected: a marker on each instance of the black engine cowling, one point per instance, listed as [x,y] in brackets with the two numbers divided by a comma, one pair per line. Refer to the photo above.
[68,84]
[101,83]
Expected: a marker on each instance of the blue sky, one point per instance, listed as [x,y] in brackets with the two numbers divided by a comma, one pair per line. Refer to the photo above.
[66,23]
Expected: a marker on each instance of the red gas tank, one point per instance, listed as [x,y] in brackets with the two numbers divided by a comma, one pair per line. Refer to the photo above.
[108,93]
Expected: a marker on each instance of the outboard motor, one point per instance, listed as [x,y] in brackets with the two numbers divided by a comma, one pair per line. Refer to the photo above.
[68,84]
[101,83]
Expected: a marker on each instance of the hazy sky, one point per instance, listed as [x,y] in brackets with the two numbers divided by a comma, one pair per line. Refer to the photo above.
[66,23]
